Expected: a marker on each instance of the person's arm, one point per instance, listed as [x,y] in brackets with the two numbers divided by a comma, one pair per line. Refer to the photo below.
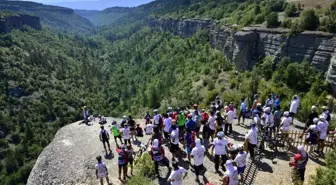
[185,174]
[97,173]
[106,170]
[162,151]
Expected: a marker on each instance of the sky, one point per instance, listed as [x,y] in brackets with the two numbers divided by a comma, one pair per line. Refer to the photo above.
[93,4]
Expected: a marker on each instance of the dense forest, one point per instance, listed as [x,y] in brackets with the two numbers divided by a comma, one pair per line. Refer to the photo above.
[125,67]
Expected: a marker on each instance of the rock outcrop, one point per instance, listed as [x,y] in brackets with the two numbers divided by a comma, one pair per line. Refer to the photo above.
[246,46]
[18,21]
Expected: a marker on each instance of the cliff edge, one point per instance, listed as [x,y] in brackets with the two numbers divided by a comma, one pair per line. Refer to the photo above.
[18,21]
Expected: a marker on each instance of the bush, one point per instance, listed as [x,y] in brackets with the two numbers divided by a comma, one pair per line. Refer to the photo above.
[326,175]
[286,23]
[290,10]
[259,19]
[272,20]
[309,20]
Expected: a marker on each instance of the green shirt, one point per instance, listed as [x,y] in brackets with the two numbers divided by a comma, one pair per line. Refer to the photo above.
[181,120]
[115,131]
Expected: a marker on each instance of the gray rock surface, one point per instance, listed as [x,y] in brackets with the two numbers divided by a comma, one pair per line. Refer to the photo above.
[9,23]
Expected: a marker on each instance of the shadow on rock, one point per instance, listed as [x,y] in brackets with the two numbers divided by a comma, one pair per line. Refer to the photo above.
[109,156]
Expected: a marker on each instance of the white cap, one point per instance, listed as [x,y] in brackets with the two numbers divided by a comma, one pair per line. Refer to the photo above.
[313,107]
[315,120]
[124,116]
[286,113]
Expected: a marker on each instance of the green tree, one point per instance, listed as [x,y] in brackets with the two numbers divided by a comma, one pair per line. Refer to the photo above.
[309,20]
[272,20]
[290,10]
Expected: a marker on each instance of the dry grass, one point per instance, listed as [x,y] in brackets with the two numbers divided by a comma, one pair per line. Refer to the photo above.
[312,3]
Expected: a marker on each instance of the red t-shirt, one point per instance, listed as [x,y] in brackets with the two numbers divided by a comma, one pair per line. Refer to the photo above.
[205,116]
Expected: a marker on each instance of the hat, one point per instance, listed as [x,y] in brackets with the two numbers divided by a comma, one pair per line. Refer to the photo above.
[155,110]
[313,107]
[124,116]
[324,107]
[286,113]
[315,120]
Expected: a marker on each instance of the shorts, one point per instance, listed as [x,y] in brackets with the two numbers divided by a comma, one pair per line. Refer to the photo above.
[122,165]
[130,161]
[174,147]
[188,150]
[321,140]
[181,128]
[241,169]
[312,141]
[132,129]
[291,114]
[102,175]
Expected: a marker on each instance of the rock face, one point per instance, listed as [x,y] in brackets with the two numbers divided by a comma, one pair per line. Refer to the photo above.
[9,23]
[246,46]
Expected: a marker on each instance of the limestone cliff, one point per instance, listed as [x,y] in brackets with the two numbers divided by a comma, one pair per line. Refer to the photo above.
[18,21]
[246,46]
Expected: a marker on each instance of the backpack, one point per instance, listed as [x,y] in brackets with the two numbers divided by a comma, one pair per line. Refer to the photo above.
[104,135]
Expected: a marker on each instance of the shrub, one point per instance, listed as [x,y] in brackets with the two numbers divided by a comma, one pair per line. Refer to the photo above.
[286,23]
[272,20]
[309,20]
[259,19]
[290,10]
[326,175]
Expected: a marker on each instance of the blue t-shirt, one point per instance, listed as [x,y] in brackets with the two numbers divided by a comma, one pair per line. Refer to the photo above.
[191,124]
[277,102]
[188,139]
[243,106]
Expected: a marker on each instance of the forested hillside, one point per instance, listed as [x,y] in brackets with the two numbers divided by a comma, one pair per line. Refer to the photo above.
[125,68]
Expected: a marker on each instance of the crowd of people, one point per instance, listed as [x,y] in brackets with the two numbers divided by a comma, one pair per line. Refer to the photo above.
[194,133]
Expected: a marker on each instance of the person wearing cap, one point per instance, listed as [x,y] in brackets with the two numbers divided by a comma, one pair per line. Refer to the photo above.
[175,139]
[256,117]
[149,128]
[299,163]
[219,122]
[157,153]
[313,132]
[126,133]
[213,107]
[212,125]
[242,110]
[240,161]
[220,145]
[285,125]
[191,124]
[231,174]
[177,175]
[101,171]
[268,120]
[167,123]
[158,121]
[294,106]
[322,126]
[197,117]
[85,114]
[116,133]
[122,161]
[229,121]
[157,135]
[277,117]
[123,121]
[252,139]
[326,113]
[255,102]
[198,154]
[269,102]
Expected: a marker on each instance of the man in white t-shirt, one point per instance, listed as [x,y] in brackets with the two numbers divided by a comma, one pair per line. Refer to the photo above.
[212,124]
[322,127]
[198,154]
[231,174]
[174,136]
[229,120]
[149,128]
[101,171]
[294,106]
[286,121]
[220,145]
[157,118]
[167,126]
[177,175]
[241,162]
[252,138]
[126,133]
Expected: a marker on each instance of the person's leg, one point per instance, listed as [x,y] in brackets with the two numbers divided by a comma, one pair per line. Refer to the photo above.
[120,139]
[108,180]
[224,159]
[104,145]
[125,171]
[302,174]
[243,118]
[230,127]
[206,144]
[226,128]
[156,163]
[216,162]
[251,150]
[239,116]
[119,167]
[115,140]
[101,181]
[131,164]
[108,144]
[197,172]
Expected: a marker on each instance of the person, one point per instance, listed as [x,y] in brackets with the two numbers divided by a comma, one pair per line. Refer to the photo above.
[189,142]
[158,121]
[313,132]
[191,124]
[174,136]
[277,102]
[206,135]
[102,120]
[240,161]
[255,102]
[130,154]
[197,117]
[157,135]
[322,126]
[231,174]
[269,102]
[198,154]
[149,128]
[256,117]
[219,122]
[285,125]
[167,127]
[86,114]
[122,161]
[132,125]
[226,107]
[213,107]
[242,110]
[229,121]
[101,171]
[157,153]
[220,145]
[181,120]
[299,163]
[212,125]
[123,121]
[268,119]
[170,112]
[219,104]
[104,137]
[277,118]
[313,114]
[148,117]
[126,133]
[205,116]
[177,175]
[139,130]
[115,132]
[252,138]
[293,107]
[326,113]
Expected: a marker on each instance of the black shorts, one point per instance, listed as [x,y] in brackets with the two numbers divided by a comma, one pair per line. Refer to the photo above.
[115,137]
[130,161]
[211,132]
[198,169]
[132,129]
[174,147]
[312,141]
[181,128]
